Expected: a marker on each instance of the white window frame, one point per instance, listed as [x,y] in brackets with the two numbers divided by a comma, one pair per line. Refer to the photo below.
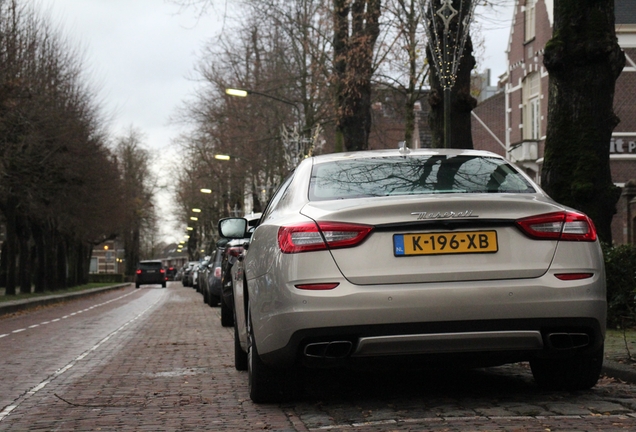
[530,19]
[532,107]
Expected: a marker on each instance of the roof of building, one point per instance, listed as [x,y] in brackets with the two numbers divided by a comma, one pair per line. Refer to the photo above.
[625,11]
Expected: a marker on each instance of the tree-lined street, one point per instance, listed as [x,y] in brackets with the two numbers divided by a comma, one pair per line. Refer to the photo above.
[158,359]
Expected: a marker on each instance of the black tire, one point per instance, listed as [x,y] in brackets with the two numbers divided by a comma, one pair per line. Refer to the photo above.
[570,373]
[227,315]
[213,300]
[240,356]
[137,285]
[163,285]
[266,384]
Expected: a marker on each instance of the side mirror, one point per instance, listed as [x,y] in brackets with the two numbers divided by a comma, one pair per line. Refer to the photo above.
[233,228]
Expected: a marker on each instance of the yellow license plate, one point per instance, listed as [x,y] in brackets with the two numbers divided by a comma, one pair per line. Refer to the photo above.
[445,243]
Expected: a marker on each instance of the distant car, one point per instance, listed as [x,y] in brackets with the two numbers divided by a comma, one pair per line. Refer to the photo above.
[150,273]
[171,273]
[233,249]
[186,278]
[439,257]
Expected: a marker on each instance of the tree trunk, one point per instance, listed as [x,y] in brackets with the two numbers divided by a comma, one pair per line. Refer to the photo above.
[12,247]
[24,265]
[40,261]
[3,265]
[356,29]
[584,60]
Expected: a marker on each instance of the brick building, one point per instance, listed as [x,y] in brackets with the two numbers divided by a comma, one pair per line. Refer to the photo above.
[513,122]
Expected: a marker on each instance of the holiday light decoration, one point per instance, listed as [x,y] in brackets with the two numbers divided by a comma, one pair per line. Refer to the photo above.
[447,28]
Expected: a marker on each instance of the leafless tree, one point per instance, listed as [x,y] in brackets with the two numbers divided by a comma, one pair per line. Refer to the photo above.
[138,183]
[52,156]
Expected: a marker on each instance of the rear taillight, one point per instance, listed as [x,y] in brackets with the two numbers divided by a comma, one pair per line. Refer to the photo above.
[310,236]
[138,271]
[570,226]
[235,251]
[162,271]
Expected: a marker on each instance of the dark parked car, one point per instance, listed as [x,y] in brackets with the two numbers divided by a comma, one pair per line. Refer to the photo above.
[212,291]
[150,273]
[233,249]
[186,278]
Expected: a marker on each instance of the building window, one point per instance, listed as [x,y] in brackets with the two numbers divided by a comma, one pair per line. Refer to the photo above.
[532,107]
[530,19]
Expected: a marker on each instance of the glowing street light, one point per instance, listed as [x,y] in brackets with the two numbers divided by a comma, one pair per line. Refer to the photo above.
[206,191]
[222,157]
[196,210]
[236,92]
[194,218]
[189,228]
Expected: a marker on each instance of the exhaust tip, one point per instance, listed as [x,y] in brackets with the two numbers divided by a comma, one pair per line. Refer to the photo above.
[328,350]
[568,340]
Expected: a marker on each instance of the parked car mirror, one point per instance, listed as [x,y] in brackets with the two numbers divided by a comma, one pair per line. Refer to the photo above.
[233,228]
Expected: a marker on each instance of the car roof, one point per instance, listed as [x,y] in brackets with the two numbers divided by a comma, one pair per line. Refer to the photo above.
[396,152]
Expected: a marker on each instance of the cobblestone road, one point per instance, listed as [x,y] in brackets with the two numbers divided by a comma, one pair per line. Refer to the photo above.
[160,360]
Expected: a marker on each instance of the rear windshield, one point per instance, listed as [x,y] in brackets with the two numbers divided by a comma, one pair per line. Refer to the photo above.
[149,265]
[414,175]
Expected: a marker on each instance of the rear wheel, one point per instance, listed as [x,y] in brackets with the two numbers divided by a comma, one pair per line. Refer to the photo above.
[227,315]
[163,285]
[266,384]
[137,285]
[571,373]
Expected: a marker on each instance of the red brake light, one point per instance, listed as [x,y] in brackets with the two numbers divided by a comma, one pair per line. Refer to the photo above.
[573,276]
[318,286]
[310,236]
[570,226]
[162,271]
[138,271]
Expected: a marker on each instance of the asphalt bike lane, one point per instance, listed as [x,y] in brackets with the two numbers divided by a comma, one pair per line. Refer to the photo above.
[39,347]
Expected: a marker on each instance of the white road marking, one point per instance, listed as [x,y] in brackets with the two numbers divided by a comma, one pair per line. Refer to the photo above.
[73,314]
[3,335]
[9,408]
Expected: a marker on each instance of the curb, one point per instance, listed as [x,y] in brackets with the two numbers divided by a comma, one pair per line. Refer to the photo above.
[20,305]
[619,371]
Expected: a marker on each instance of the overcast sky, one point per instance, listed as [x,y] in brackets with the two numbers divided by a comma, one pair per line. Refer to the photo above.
[141,56]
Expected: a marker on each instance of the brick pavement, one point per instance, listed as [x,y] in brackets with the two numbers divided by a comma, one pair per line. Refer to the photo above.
[171,370]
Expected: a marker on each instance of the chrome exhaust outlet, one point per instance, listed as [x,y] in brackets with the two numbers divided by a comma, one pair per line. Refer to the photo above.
[328,350]
[562,341]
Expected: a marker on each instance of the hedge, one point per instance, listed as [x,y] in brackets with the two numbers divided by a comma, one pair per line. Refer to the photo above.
[620,270]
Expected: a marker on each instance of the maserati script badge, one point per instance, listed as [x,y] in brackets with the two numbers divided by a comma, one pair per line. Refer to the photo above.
[444,215]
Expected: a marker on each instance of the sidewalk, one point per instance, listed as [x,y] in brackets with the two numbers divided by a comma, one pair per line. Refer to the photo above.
[13,306]
[618,346]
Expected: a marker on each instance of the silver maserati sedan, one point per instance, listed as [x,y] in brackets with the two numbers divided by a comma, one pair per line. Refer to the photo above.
[416,257]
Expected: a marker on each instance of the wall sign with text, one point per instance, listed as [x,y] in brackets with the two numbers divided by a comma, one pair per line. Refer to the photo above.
[623,145]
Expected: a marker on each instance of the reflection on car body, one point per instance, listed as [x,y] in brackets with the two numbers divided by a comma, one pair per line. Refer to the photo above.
[425,257]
